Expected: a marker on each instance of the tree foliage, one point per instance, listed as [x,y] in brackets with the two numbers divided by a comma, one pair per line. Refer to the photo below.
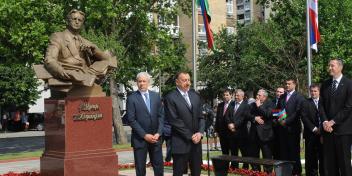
[126,27]
[18,87]
[263,54]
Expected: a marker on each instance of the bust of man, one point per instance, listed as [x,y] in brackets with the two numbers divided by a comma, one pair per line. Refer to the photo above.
[72,60]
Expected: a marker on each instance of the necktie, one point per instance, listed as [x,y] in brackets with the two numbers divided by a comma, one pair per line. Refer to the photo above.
[236,106]
[288,96]
[185,96]
[77,42]
[316,103]
[225,108]
[333,86]
[147,101]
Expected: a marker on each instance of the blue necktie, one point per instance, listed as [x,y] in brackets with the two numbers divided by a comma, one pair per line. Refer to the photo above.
[147,101]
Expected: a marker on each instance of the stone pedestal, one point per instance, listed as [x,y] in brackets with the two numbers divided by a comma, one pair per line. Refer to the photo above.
[78,138]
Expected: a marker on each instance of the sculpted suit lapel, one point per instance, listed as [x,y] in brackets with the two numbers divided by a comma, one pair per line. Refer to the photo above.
[70,44]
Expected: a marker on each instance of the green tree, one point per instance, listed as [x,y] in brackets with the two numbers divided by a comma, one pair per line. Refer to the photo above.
[125,27]
[269,52]
[18,86]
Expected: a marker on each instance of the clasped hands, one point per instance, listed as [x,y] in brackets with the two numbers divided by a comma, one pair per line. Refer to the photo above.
[327,125]
[231,127]
[152,138]
[196,137]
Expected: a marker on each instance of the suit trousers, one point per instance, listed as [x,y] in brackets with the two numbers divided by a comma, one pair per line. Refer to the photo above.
[193,159]
[254,148]
[337,154]
[290,148]
[156,159]
[237,144]
[313,155]
[225,144]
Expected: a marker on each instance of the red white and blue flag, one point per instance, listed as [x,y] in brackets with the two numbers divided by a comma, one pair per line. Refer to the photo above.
[204,5]
[313,24]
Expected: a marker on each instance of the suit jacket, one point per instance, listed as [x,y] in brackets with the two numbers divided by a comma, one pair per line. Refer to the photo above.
[239,118]
[310,117]
[62,50]
[337,107]
[220,122]
[184,120]
[265,131]
[293,109]
[141,120]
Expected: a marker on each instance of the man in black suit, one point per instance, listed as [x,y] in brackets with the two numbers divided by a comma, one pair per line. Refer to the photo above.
[184,112]
[311,134]
[145,116]
[261,133]
[335,107]
[220,122]
[276,143]
[290,128]
[236,119]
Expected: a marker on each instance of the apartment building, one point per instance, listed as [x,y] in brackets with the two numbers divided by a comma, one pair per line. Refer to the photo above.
[224,14]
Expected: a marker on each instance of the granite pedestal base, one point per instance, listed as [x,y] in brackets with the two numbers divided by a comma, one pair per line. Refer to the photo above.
[78,138]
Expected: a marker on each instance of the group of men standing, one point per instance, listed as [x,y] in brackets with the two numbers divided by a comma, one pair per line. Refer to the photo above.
[270,126]
[326,117]
[145,114]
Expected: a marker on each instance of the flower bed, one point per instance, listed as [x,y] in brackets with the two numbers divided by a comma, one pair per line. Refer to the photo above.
[204,167]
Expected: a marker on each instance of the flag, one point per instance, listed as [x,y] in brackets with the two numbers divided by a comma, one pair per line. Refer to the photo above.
[313,24]
[280,114]
[204,5]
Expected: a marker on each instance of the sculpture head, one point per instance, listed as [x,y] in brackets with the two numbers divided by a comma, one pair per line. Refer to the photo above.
[75,20]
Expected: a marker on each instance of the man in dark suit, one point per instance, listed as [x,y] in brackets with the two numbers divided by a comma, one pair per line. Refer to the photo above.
[236,119]
[220,123]
[311,134]
[184,112]
[145,116]
[276,147]
[290,128]
[335,107]
[261,134]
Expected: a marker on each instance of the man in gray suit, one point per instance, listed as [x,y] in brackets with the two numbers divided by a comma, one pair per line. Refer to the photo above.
[183,109]
[145,116]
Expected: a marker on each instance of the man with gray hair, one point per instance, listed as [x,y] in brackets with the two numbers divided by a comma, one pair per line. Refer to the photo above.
[146,118]
[261,134]
[236,119]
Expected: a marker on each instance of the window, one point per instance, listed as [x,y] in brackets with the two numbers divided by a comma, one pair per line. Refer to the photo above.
[201,30]
[229,7]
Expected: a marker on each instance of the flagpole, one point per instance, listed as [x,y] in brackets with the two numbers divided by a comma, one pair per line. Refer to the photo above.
[194,59]
[309,55]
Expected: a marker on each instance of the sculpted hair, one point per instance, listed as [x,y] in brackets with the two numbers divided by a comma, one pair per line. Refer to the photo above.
[69,15]
[143,74]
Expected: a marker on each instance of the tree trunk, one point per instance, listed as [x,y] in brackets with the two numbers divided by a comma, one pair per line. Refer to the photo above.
[119,131]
